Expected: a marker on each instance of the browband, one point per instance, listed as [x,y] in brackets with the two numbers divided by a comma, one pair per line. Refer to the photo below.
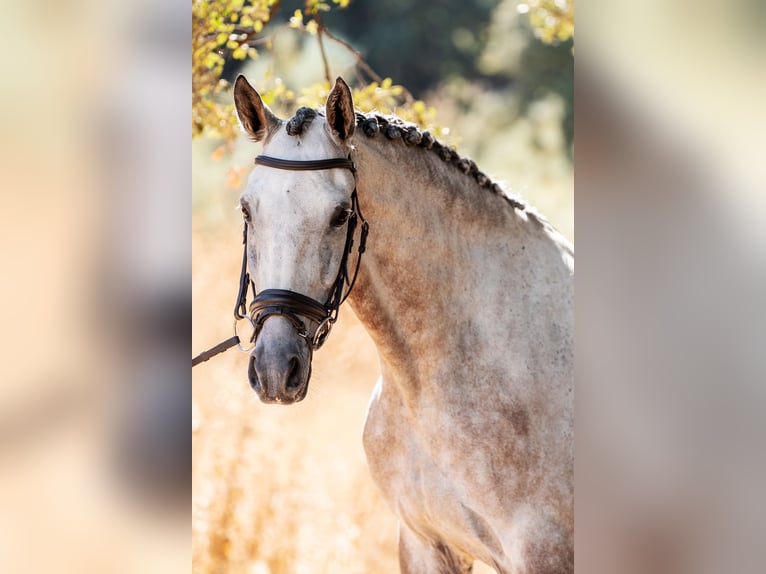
[309,165]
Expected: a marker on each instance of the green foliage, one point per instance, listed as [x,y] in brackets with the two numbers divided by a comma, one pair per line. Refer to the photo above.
[222,29]
[228,30]
[421,44]
[552,20]
[489,66]
[532,67]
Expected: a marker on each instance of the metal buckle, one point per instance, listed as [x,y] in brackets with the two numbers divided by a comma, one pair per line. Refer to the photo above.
[239,342]
[323,330]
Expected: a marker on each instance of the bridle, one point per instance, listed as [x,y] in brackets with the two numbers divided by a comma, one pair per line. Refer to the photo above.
[289,304]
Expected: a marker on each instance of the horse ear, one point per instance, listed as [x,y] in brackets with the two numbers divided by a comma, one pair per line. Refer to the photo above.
[339,110]
[255,117]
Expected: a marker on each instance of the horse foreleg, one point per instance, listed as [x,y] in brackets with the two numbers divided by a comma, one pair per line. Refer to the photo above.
[422,556]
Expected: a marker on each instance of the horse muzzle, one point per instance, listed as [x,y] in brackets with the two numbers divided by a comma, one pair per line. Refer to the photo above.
[280,364]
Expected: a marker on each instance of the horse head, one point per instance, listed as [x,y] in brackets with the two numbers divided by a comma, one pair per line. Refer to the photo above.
[301,213]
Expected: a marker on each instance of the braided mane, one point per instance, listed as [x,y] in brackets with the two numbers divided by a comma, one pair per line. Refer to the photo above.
[393,128]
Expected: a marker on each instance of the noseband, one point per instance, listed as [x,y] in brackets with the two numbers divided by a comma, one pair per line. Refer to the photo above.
[295,306]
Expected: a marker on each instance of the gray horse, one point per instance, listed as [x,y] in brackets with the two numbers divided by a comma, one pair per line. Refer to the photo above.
[468,296]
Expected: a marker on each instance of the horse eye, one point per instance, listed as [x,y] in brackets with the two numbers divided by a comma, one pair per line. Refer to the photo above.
[340,217]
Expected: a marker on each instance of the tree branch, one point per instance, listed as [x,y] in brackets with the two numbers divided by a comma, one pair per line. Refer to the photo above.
[359,58]
[361,63]
[320,32]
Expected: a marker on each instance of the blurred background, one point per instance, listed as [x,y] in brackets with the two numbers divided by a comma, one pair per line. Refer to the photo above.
[286,489]
[670,307]
[95,397]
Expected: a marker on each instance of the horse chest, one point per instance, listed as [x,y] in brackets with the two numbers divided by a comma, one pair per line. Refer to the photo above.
[425,483]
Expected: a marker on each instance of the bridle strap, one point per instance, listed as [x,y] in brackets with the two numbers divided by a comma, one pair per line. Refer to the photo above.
[308,165]
[350,244]
[297,303]
[240,309]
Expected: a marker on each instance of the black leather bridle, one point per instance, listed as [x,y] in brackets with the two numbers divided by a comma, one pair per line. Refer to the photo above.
[295,306]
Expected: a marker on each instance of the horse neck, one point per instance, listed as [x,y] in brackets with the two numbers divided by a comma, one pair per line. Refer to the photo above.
[438,247]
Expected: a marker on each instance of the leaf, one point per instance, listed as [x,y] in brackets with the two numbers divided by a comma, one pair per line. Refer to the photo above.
[212,60]
[218,153]
[297,19]
[234,177]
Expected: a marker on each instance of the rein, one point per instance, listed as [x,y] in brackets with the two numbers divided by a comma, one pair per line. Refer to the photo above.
[289,304]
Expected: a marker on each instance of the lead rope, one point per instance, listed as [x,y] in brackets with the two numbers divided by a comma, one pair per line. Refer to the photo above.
[240,311]
[216,350]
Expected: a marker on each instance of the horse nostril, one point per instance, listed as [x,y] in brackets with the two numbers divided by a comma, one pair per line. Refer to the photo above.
[252,374]
[293,374]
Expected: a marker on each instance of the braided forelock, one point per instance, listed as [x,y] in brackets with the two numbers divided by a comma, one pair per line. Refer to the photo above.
[300,121]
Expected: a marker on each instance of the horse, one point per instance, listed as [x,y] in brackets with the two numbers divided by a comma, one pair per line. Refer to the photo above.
[467,294]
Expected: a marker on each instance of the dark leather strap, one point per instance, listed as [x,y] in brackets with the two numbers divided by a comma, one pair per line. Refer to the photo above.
[217,350]
[296,302]
[240,309]
[309,165]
